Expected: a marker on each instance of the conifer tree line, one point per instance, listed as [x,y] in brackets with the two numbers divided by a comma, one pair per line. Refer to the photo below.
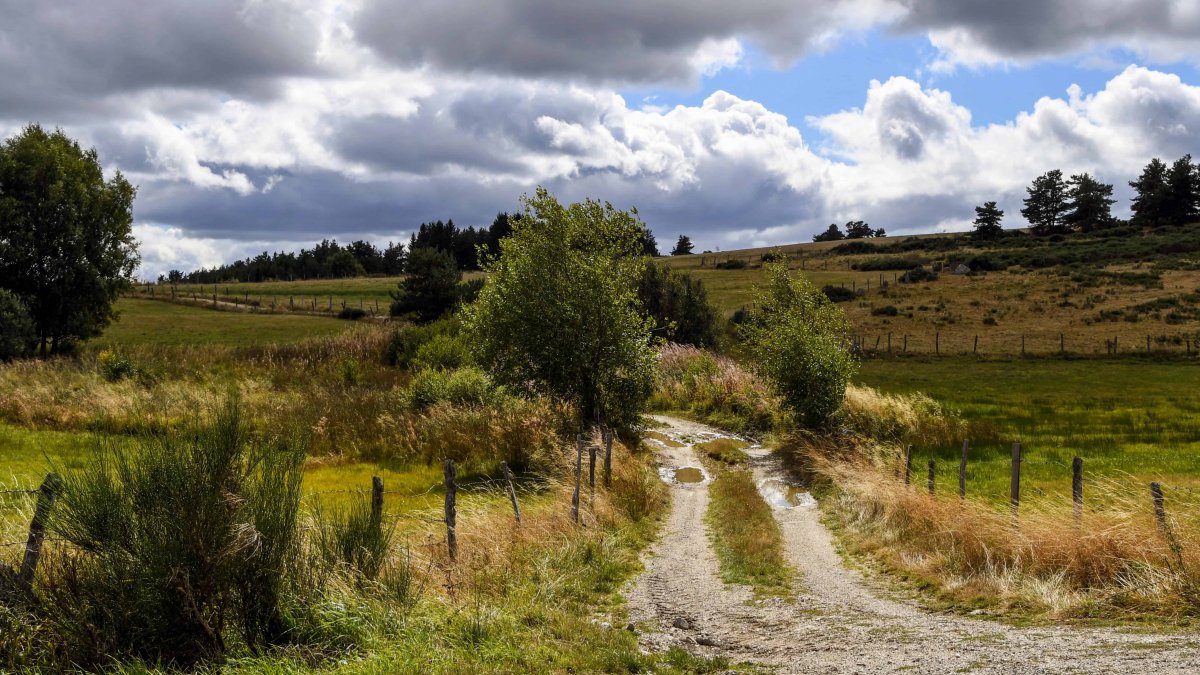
[1163,196]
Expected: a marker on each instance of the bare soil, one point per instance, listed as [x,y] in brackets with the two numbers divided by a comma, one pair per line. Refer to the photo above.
[841,622]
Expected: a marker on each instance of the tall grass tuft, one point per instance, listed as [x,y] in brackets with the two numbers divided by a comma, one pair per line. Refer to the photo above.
[184,544]
[715,389]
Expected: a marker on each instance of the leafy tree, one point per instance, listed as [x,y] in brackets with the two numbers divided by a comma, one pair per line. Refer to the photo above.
[683,246]
[1182,192]
[831,234]
[66,242]
[797,342]
[17,336]
[987,221]
[679,306]
[857,229]
[1149,204]
[431,287]
[174,276]
[558,313]
[341,265]
[1046,204]
[1090,205]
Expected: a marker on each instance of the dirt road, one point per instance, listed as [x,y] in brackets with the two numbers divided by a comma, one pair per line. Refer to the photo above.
[839,621]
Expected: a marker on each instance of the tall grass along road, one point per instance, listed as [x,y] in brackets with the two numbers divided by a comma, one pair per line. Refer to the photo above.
[840,621]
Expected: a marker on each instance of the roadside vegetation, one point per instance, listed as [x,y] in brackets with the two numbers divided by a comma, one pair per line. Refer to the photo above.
[745,536]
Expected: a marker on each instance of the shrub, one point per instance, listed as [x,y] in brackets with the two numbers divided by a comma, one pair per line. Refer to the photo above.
[732,264]
[887,310]
[716,389]
[917,275]
[17,335]
[464,386]
[402,348]
[442,352]
[890,263]
[180,542]
[838,293]
[797,343]
[679,306]
[114,367]
[353,537]
[351,313]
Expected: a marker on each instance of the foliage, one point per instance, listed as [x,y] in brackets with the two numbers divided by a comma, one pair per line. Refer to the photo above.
[987,221]
[797,342]
[1150,201]
[746,537]
[833,233]
[917,275]
[1046,204]
[857,229]
[66,242]
[1090,206]
[1182,192]
[679,306]
[183,541]
[683,246]
[462,386]
[732,264]
[352,313]
[406,341]
[559,314]
[838,293]
[17,335]
[115,367]
[890,263]
[431,288]
[715,389]
[444,351]
[354,537]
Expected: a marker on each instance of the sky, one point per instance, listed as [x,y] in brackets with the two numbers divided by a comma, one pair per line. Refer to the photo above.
[252,125]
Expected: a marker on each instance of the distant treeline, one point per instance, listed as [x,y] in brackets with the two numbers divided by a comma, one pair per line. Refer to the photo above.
[331,260]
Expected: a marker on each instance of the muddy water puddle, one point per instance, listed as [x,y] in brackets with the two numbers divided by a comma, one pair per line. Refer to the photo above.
[782,494]
[689,474]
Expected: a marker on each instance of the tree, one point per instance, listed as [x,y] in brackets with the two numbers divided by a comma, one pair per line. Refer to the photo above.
[647,245]
[341,265]
[431,287]
[857,229]
[17,335]
[1149,204]
[66,242]
[1182,203]
[1046,204]
[831,234]
[679,306]
[987,221]
[796,341]
[559,314]
[683,246]
[1091,203]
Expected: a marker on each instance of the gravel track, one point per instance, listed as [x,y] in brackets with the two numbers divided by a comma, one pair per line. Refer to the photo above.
[840,622]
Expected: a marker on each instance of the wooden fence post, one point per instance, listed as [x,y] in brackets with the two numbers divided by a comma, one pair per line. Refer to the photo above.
[608,443]
[1077,489]
[512,490]
[1160,512]
[37,528]
[908,463]
[593,450]
[1014,486]
[937,343]
[906,343]
[1062,343]
[962,473]
[451,511]
[1147,344]
[578,477]
[376,503]
[932,473]
[889,343]
[1022,345]
[975,349]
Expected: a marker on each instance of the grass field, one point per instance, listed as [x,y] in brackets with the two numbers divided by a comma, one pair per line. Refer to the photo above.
[1131,422]
[154,323]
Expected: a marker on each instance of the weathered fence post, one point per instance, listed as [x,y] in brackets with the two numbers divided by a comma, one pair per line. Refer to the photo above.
[962,473]
[906,343]
[1077,489]
[512,490]
[451,511]
[889,343]
[1022,345]
[608,443]
[578,477]
[1062,343]
[37,528]
[975,349]
[932,473]
[937,343]
[1160,512]
[1147,344]
[908,463]
[1014,486]
[376,503]
[593,450]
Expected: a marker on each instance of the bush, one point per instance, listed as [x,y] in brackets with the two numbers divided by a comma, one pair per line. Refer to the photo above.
[351,313]
[679,306]
[464,386]
[17,336]
[442,352]
[354,537]
[917,275]
[838,293]
[887,310]
[115,367]
[402,349]
[732,264]
[180,542]
[890,263]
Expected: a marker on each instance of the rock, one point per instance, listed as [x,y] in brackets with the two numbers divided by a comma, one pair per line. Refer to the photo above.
[630,627]
[707,641]
[978,612]
[682,623]
[962,269]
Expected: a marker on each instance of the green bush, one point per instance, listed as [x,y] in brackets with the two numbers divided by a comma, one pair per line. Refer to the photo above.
[114,367]
[351,313]
[798,343]
[353,537]
[182,544]
[886,310]
[17,336]
[402,349]
[464,386]
[732,264]
[890,263]
[838,293]
[442,352]
[917,275]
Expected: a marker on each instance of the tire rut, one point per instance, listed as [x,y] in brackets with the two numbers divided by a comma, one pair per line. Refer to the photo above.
[840,622]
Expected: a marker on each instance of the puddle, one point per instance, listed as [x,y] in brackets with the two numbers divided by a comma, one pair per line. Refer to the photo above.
[784,495]
[689,474]
[664,439]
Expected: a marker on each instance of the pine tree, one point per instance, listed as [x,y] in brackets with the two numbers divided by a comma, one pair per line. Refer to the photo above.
[1046,203]
[1182,203]
[1090,205]
[1150,202]
[832,234]
[683,246]
[987,221]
